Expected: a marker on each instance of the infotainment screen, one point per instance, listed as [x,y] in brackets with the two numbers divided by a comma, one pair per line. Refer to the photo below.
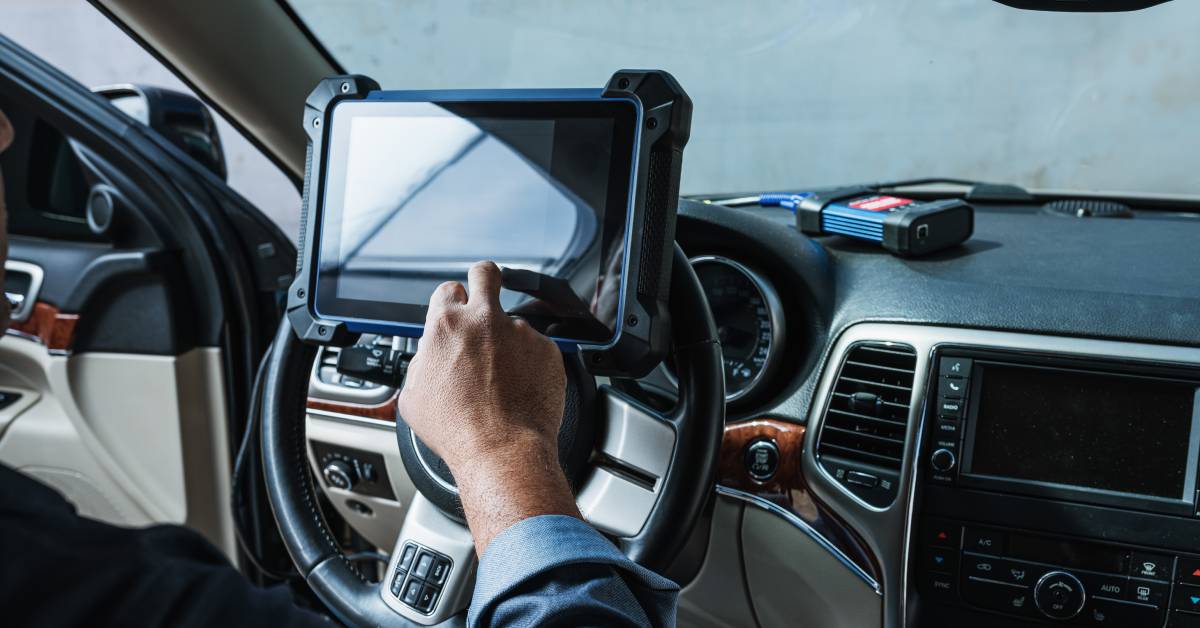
[1092,431]
[415,192]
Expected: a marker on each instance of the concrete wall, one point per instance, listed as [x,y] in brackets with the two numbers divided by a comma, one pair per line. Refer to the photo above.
[788,93]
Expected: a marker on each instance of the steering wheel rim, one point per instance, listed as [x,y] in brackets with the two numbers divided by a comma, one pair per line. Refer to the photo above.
[686,486]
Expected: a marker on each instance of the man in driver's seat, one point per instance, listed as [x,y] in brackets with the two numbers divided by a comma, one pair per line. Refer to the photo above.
[485,392]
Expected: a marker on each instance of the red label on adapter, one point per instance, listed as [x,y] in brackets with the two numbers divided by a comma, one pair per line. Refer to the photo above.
[879,203]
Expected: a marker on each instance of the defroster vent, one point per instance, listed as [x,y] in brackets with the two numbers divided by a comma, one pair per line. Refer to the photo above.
[864,432]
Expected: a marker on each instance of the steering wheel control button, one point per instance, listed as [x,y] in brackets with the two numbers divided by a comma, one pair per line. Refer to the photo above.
[427,572]
[410,552]
[397,583]
[412,592]
[437,574]
[762,460]
[1059,595]
[427,599]
[339,474]
[424,563]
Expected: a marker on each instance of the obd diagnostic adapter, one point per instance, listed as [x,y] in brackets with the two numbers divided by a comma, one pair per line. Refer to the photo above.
[573,192]
[902,226]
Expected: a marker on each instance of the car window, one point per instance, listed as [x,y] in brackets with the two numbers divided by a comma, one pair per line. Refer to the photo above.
[79,40]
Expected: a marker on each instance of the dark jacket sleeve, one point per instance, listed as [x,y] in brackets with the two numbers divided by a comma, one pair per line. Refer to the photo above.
[60,569]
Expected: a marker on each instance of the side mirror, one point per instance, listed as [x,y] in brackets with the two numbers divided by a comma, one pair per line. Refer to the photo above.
[1090,6]
[181,118]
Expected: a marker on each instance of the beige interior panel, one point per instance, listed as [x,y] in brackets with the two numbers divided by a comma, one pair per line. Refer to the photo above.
[109,432]
[382,526]
[794,581]
[716,598]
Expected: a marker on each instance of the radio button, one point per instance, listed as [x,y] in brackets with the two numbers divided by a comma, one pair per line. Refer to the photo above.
[1155,566]
[950,408]
[939,533]
[1188,571]
[985,541]
[952,388]
[1111,587]
[997,596]
[955,367]
[1187,598]
[1059,595]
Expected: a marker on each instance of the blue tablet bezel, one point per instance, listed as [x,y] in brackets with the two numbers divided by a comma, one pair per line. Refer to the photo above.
[412,329]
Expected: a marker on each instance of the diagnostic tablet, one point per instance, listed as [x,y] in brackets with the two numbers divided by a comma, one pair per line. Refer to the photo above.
[405,190]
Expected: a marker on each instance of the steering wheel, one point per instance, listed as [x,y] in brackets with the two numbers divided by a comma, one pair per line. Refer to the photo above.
[643,478]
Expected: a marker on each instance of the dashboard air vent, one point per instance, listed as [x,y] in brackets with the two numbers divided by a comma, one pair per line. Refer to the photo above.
[863,434]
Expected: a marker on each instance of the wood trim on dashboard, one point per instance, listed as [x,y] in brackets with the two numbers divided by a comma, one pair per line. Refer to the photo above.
[385,411]
[788,488]
[48,326]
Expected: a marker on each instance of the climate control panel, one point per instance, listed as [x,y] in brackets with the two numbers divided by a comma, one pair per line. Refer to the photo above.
[1044,579]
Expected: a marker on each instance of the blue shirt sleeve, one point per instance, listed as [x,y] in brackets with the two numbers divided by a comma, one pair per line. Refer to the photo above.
[555,570]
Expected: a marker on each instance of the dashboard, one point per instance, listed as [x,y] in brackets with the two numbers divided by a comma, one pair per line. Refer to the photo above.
[1064,449]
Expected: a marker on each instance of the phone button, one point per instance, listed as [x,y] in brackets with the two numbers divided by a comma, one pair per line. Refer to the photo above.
[952,388]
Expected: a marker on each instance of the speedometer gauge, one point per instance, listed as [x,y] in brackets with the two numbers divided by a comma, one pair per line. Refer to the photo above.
[749,320]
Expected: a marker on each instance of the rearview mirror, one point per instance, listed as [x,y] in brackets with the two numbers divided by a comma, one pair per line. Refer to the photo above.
[1094,6]
[181,118]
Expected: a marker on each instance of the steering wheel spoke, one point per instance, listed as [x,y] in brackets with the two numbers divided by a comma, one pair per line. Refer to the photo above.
[633,454]
[431,574]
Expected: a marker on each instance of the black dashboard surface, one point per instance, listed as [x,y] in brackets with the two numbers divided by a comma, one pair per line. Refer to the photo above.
[1022,270]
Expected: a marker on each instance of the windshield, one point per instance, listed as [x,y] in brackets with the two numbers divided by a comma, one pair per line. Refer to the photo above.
[802,93]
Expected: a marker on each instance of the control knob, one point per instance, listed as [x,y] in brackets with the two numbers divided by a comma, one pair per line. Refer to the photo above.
[1059,595]
[942,460]
[340,474]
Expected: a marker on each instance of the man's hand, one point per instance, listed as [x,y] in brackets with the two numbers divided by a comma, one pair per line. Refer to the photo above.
[486,393]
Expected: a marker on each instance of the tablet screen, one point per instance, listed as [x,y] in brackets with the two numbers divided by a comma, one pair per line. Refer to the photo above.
[416,192]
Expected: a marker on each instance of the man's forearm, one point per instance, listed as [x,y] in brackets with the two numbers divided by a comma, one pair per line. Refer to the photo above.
[513,483]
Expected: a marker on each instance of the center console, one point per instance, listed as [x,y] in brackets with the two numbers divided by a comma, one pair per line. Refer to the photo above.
[1057,489]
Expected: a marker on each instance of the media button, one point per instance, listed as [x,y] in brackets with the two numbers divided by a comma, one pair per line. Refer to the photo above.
[955,367]
[947,430]
[984,541]
[1154,566]
[1188,571]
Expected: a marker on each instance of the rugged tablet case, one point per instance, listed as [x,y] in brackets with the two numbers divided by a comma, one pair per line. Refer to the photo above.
[644,327]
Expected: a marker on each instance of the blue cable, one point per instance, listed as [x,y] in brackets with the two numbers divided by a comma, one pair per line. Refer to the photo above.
[788,200]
